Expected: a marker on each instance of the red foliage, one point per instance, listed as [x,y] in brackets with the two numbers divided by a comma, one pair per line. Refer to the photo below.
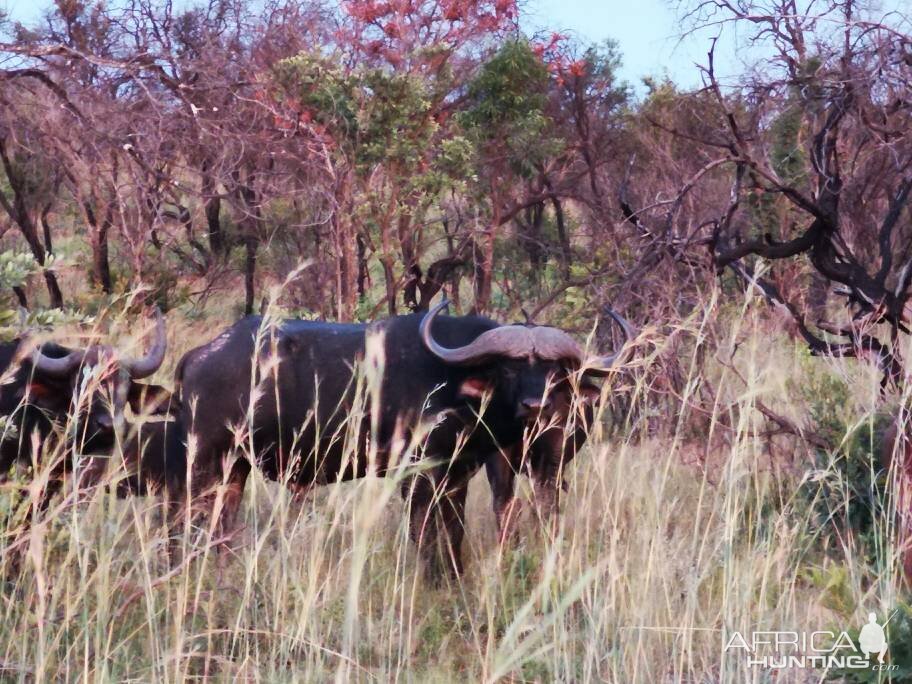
[488,22]
[556,55]
[505,8]
[391,29]
[453,11]
[395,30]
[394,57]
[577,68]
[367,11]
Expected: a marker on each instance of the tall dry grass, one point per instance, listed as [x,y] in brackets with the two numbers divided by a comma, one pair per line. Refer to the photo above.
[657,557]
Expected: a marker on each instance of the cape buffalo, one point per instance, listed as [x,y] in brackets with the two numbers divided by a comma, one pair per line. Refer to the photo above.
[554,437]
[83,391]
[470,382]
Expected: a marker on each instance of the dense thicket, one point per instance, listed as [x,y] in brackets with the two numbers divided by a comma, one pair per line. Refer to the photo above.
[403,147]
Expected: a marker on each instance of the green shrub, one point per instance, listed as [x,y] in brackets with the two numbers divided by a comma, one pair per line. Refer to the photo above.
[844,493]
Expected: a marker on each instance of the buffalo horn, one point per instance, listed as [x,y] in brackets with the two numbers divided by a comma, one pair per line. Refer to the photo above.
[58,367]
[601,365]
[511,341]
[146,365]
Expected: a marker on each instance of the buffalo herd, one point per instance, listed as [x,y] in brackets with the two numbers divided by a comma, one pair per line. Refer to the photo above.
[429,398]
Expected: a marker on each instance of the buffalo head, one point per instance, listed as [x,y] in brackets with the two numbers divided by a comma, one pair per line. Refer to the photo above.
[93,385]
[520,366]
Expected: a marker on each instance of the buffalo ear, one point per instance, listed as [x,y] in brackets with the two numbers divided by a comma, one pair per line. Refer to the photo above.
[152,400]
[475,387]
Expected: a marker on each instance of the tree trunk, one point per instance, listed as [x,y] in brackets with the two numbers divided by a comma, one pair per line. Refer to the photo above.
[456,275]
[20,297]
[566,253]
[817,296]
[345,244]
[98,231]
[31,237]
[29,232]
[563,238]
[389,279]
[483,253]
[348,286]
[54,292]
[581,117]
[532,240]
[18,212]
[251,223]
[101,264]
[213,204]
[250,249]
[362,266]
[484,269]
[46,229]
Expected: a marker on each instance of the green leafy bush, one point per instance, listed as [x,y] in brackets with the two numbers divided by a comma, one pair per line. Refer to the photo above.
[844,494]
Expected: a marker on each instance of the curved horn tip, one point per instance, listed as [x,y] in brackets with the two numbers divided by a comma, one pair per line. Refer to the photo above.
[602,365]
[458,355]
[153,359]
[429,317]
[629,330]
[431,313]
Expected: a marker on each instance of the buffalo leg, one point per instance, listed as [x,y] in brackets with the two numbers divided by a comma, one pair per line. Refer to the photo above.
[418,493]
[233,495]
[452,512]
[213,493]
[547,499]
[437,524]
[548,483]
[550,455]
[502,479]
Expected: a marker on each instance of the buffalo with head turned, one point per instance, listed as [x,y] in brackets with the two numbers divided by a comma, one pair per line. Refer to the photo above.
[53,390]
[465,386]
[554,435]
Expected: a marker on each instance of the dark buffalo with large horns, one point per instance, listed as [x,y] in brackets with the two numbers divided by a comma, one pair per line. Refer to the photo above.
[467,385]
[554,436]
[51,391]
